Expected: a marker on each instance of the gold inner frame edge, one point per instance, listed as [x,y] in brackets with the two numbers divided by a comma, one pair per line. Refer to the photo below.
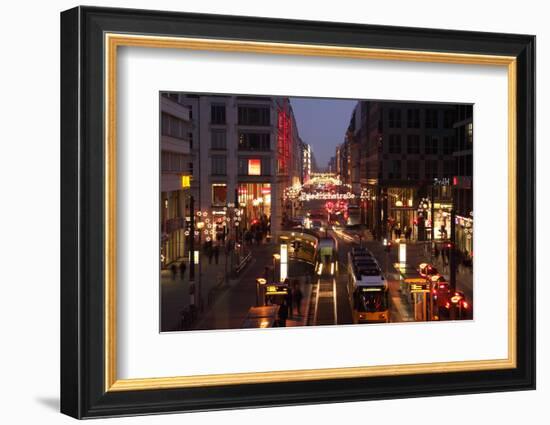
[112,41]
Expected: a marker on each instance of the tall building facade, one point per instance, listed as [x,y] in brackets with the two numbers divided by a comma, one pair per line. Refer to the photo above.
[463,182]
[402,161]
[245,151]
[343,162]
[307,162]
[332,165]
[175,129]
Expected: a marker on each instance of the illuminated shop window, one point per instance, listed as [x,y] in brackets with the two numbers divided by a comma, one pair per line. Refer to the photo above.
[219,194]
[254,167]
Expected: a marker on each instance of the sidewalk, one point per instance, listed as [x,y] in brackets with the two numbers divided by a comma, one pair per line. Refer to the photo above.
[416,254]
[231,307]
[175,292]
[464,275]
[301,319]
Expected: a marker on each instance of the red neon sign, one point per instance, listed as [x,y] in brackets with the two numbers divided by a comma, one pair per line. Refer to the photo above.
[284,125]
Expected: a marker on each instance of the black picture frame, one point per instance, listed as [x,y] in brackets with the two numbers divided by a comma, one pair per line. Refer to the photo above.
[83,392]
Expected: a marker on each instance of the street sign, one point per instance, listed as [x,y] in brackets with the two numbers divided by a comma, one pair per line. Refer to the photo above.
[419,287]
[185,182]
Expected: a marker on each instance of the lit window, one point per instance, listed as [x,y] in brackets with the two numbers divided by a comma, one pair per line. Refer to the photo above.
[470,133]
[219,194]
[254,167]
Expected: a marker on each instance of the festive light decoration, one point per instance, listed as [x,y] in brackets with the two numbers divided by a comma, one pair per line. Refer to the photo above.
[326,196]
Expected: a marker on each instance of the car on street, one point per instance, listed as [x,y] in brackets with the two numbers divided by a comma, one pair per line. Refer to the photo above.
[441,290]
[427,270]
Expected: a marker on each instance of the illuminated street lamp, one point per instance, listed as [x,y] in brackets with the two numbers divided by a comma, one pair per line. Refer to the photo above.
[276,257]
[283,263]
[260,281]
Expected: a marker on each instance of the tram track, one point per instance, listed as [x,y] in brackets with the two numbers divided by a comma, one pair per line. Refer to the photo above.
[324,308]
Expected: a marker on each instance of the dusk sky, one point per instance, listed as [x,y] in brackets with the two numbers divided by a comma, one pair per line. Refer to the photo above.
[322,123]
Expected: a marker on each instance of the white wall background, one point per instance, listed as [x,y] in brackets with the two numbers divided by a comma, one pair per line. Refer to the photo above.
[29,213]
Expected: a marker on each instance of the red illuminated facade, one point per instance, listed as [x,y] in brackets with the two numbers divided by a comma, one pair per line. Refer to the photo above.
[284,133]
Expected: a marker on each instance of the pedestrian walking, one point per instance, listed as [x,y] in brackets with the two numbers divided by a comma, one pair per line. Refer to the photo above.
[288,299]
[298,300]
[283,314]
[210,255]
[216,253]
[174,270]
[183,267]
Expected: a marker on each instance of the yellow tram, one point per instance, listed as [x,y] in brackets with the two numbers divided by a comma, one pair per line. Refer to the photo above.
[367,288]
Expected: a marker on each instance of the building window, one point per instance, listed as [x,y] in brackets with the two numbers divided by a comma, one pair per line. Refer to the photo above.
[254,166]
[395,143]
[219,194]
[218,139]
[172,162]
[431,147]
[448,118]
[413,144]
[165,161]
[470,133]
[172,126]
[254,141]
[395,170]
[173,96]
[217,114]
[394,118]
[431,118]
[413,170]
[431,169]
[468,165]
[449,168]
[219,165]
[413,118]
[254,115]
[448,145]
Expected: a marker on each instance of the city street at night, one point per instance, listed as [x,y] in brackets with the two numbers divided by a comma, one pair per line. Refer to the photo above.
[283,212]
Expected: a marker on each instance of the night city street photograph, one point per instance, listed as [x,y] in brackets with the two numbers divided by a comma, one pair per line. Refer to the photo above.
[280,211]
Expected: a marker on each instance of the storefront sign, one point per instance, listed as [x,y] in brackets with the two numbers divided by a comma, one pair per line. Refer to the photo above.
[462,182]
[185,182]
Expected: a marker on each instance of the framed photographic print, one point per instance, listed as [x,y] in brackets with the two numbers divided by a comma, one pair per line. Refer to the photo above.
[261,212]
